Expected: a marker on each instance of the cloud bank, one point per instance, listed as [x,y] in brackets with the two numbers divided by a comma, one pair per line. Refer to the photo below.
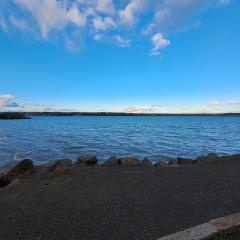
[111,20]
[8,103]
[5,100]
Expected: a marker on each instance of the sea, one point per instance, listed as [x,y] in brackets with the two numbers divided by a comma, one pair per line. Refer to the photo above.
[48,138]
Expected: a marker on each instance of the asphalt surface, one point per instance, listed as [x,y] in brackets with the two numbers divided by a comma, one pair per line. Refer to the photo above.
[118,202]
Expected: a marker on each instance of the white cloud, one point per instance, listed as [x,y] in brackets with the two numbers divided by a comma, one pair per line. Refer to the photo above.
[215,104]
[105,6]
[121,41]
[59,19]
[139,109]
[5,100]
[159,42]
[132,10]
[3,25]
[52,14]
[235,102]
[155,108]
[103,23]
[172,15]
[98,37]
[21,24]
[224,2]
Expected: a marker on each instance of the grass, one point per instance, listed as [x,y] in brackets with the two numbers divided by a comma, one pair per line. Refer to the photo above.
[228,236]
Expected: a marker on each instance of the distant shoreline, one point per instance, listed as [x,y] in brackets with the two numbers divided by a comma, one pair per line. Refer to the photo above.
[24,115]
[13,116]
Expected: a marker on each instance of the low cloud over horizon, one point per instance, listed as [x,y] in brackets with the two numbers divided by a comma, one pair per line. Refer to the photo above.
[8,103]
[123,22]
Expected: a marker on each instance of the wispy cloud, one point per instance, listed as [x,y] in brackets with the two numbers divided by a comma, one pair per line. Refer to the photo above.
[121,41]
[95,18]
[234,103]
[154,108]
[8,103]
[20,24]
[159,42]
[215,104]
[103,23]
[5,100]
[138,109]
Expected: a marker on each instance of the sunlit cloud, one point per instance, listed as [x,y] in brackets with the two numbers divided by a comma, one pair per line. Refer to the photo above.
[215,104]
[121,41]
[159,42]
[51,19]
[5,100]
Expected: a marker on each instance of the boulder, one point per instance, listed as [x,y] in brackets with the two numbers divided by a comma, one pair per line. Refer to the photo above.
[17,171]
[166,162]
[60,164]
[185,161]
[88,160]
[146,163]
[112,161]
[129,161]
[234,157]
[211,157]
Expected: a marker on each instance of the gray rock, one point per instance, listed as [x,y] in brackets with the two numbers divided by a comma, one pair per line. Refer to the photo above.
[129,161]
[166,160]
[88,160]
[60,164]
[112,161]
[185,161]
[234,157]
[146,163]
[20,169]
[211,157]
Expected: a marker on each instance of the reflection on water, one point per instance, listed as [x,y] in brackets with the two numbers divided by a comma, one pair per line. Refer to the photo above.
[48,138]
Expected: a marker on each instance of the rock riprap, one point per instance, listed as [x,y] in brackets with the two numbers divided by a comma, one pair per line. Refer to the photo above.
[88,160]
[129,161]
[16,172]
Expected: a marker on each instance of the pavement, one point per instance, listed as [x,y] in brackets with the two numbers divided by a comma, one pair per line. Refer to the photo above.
[119,203]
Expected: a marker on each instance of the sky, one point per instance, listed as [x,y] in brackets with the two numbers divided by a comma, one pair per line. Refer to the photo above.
[163,56]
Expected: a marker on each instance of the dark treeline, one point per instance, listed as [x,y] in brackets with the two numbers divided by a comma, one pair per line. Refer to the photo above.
[119,114]
[27,115]
[13,115]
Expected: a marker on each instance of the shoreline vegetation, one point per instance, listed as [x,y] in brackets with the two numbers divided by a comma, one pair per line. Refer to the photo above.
[26,166]
[13,115]
[28,115]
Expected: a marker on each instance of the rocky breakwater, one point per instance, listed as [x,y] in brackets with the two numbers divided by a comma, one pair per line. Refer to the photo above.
[26,168]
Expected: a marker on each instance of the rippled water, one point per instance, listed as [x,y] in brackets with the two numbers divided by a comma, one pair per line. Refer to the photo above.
[48,138]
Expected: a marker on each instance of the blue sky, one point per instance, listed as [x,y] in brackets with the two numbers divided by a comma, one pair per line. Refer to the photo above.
[124,55]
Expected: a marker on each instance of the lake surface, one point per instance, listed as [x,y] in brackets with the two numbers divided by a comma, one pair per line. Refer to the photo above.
[45,139]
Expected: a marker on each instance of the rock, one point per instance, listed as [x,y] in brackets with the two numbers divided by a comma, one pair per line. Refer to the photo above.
[112,161]
[234,157]
[21,168]
[172,162]
[60,164]
[129,161]
[146,163]
[5,170]
[167,162]
[88,160]
[185,161]
[211,157]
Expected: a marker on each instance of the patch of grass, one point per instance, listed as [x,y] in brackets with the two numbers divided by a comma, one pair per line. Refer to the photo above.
[228,236]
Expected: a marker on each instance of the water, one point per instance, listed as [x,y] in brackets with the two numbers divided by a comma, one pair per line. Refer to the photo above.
[44,139]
